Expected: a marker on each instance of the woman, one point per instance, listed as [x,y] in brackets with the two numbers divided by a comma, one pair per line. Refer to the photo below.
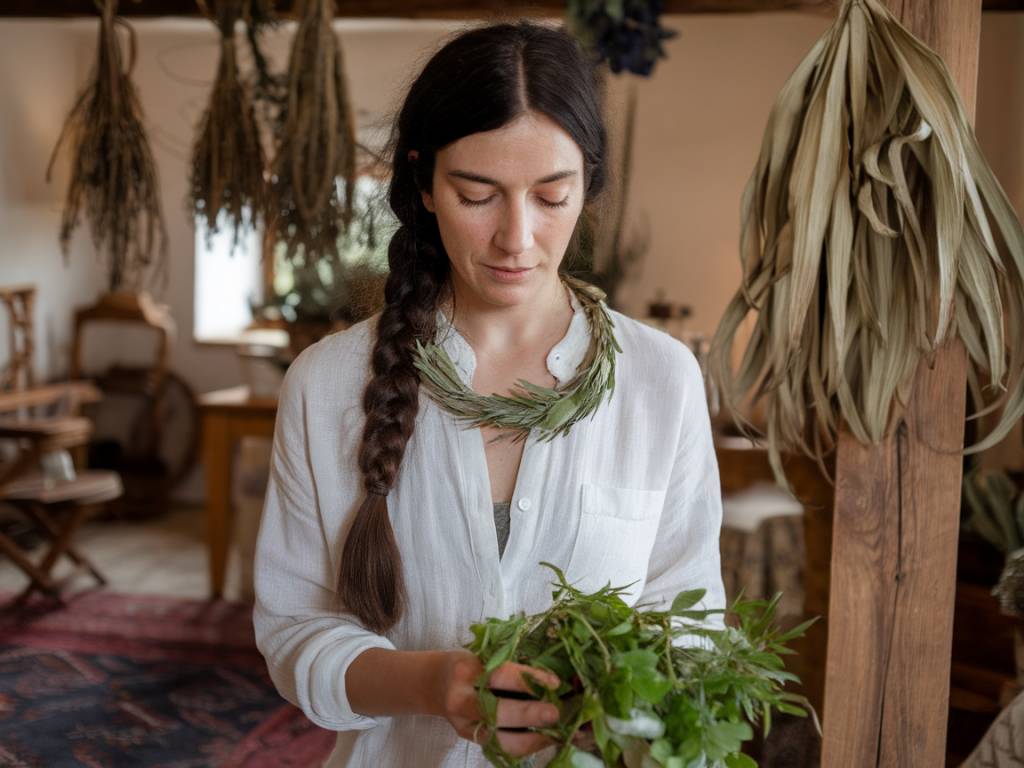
[389,525]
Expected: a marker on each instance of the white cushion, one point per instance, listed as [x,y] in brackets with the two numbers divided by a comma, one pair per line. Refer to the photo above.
[750,507]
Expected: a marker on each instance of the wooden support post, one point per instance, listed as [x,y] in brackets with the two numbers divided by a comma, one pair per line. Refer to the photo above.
[896,526]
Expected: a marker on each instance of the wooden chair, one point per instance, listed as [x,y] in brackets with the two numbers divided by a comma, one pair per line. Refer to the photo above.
[165,416]
[40,426]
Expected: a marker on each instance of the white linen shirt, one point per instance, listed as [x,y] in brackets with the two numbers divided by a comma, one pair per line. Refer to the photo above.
[629,495]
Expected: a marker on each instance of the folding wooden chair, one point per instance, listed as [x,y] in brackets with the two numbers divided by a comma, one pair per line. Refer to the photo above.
[40,426]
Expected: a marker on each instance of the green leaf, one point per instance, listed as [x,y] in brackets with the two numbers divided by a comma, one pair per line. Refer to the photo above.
[789,709]
[620,629]
[729,737]
[661,749]
[639,660]
[488,705]
[623,694]
[739,760]
[686,600]
[501,656]
[651,685]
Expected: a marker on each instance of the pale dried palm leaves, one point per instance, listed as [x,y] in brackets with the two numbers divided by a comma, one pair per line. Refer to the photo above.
[227,157]
[313,179]
[873,231]
[113,173]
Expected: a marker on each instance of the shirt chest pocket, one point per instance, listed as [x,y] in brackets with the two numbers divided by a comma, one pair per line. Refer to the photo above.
[617,530]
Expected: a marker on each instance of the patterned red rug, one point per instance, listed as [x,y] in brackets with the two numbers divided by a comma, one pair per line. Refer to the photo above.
[116,680]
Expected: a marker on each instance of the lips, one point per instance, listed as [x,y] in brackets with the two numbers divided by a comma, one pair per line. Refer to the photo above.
[510,275]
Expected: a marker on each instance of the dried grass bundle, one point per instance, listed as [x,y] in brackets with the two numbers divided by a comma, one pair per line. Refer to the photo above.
[113,173]
[227,157]
[313,181]
[269,89]
[873,231]
[257,13]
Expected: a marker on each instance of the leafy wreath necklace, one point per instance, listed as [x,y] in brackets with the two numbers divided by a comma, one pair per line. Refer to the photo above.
[552,412]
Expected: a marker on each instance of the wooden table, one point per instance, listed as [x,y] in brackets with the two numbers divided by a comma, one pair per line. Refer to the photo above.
[228,415]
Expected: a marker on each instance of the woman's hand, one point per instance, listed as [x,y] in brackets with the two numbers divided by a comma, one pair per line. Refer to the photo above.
[454,698]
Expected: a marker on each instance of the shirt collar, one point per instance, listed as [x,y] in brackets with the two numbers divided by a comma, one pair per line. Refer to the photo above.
[563,359]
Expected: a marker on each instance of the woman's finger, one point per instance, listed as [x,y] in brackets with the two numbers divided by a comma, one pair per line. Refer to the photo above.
[517,713]
[520,744]
[515,743]
[509,677]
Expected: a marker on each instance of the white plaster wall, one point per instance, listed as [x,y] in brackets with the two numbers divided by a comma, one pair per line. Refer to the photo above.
[39,75]
[699,129]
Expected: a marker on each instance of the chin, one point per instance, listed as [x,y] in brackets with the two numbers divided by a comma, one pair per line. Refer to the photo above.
[507,295]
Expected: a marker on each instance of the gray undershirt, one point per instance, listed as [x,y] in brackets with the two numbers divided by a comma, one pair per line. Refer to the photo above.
[502,521]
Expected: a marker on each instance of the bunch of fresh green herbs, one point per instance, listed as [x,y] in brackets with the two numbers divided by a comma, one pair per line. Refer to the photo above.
[650,699]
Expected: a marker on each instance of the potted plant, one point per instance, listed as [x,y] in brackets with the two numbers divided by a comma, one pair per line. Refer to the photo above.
[314,295]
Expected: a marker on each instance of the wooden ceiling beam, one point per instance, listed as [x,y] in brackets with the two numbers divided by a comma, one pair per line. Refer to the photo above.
[436,9]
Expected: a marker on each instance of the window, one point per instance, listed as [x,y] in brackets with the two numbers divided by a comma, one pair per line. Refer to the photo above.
[230,282]
[337,289]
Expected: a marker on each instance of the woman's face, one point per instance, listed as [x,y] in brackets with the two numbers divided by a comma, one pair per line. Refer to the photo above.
[506,203]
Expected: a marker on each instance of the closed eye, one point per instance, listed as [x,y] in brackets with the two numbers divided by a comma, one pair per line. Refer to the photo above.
[470,202]
[560,204]
[546,203]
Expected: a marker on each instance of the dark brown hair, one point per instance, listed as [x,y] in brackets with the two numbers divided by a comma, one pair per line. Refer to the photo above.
[479,81]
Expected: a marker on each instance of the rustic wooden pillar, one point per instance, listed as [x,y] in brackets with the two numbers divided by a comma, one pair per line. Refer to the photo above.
[897,509]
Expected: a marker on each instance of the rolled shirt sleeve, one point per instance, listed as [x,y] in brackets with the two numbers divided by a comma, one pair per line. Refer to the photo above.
[307,640]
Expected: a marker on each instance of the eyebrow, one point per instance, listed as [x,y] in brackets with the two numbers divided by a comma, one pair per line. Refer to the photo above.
[470,176]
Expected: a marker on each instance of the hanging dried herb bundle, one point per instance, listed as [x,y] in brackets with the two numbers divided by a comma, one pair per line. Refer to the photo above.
[257,13]
[113,173]
[227,158]
[268,89]
[313,179]
[873,232]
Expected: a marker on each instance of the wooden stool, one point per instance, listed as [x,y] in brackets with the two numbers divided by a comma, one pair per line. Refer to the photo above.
[58,509]
[41,425]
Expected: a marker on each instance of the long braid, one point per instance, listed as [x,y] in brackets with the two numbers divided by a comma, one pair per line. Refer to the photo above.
[370,580]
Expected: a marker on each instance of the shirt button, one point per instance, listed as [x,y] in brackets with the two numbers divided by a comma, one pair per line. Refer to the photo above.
[524,504]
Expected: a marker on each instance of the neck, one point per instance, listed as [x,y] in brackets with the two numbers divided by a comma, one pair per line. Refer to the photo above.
[487,327]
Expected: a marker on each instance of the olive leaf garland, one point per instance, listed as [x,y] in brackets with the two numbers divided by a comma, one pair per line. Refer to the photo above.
[552,412]
[113,172]
[873,231]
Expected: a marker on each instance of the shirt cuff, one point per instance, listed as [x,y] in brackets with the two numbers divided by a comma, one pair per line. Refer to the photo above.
[329,705]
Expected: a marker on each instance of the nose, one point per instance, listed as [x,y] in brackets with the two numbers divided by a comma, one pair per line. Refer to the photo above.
[515,230]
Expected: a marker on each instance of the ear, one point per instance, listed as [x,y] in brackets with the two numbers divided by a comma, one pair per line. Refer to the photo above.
[428,200]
